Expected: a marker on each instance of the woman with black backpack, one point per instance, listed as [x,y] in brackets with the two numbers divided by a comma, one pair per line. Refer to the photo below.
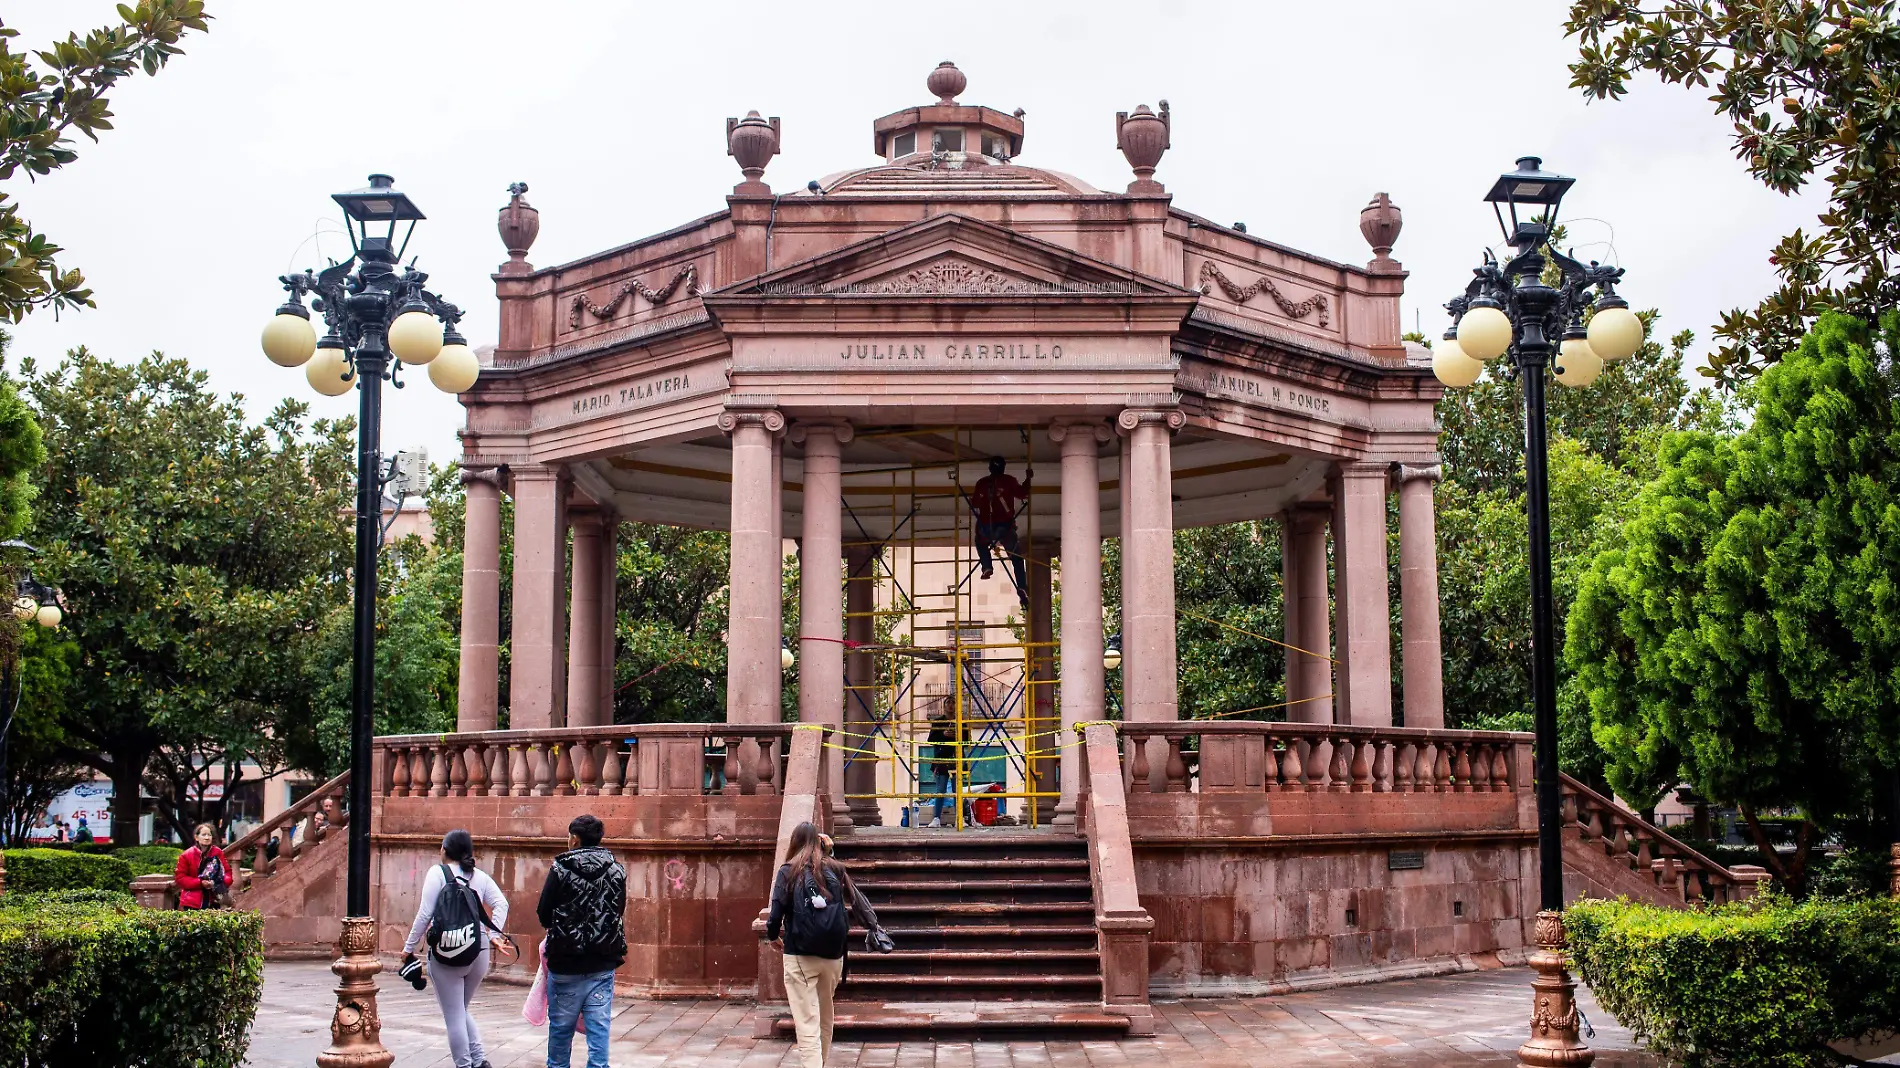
[813,899]
[460,906]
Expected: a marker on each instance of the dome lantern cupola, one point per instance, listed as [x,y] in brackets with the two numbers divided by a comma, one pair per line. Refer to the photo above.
[957,135]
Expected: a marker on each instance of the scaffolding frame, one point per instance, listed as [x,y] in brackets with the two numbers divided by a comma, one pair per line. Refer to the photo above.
[1013,735]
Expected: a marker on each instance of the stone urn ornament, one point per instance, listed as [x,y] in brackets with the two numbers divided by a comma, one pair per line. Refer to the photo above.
[1143,137]
[519,223]
[752,142]
[1380,222]
[945,83]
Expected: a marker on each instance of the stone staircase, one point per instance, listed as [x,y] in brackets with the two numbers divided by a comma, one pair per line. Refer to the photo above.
[995,933]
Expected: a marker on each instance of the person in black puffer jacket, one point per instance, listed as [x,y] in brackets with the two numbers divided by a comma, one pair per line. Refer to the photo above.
[583,907]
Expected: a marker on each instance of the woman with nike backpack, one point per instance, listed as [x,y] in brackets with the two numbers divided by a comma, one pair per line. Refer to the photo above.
[813,900]
[460,906]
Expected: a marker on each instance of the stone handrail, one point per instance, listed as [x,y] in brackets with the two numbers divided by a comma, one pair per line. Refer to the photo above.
[1122,926]
[647,758]
[1679,871]
[1307,757]
[291,845]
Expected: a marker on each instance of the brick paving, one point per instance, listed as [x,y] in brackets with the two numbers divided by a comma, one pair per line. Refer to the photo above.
[1470,1019]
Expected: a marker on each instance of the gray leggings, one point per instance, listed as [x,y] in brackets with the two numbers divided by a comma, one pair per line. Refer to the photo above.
[454,989]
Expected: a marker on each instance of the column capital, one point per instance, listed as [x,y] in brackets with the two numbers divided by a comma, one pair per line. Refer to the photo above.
[1307,516]
[770,419]
[586,520]
[487,474]
[538,472]
[1403,473]
[839,430]
[1132,418]
[1083,429]
[1362,469]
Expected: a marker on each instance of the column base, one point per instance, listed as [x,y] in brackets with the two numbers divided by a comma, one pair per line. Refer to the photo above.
[1554,1041]
[355,1029]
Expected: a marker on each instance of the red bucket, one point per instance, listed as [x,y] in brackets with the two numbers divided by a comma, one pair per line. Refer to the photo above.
[983,809]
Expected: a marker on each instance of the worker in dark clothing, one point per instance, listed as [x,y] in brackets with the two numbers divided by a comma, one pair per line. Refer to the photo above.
[583,908]
[994,503]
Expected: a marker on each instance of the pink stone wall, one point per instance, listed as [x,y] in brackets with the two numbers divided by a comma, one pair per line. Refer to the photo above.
[1270,915]
[698,870]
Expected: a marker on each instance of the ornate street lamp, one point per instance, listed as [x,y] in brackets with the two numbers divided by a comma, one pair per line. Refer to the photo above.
[1511,308]
[36,601]
[377,318]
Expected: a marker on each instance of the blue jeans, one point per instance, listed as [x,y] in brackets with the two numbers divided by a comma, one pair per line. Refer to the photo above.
[591,999]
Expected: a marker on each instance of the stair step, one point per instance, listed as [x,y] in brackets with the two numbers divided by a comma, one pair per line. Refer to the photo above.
[1005,864]
[1037,981]
[888,1022]
[986,908]
[987,930]
[913,885]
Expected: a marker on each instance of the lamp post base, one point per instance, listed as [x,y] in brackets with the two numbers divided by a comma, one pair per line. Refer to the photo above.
[356,1030]
[1554,1042]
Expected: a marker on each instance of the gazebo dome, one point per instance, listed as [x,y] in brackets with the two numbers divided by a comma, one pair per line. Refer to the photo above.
[951,133]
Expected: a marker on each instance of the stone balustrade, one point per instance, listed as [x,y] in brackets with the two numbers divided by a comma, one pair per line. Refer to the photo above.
[1317,757]
[1680,874]
[650,758]
[296,828]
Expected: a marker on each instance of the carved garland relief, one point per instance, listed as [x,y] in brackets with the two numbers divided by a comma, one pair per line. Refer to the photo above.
[583,304]
[1240,294]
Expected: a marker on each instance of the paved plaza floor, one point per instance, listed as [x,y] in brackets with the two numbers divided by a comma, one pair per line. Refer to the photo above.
[1476,1018]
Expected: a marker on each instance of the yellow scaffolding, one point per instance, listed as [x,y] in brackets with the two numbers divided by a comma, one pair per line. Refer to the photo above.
[998,703]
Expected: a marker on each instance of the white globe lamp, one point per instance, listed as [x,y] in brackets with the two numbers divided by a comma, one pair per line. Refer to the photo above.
[289,339]
[1484,333]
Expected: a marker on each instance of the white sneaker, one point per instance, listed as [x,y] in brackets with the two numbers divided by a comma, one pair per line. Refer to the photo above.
[934,823]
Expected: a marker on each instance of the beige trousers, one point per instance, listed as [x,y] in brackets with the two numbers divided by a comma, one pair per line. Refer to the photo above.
[809,984]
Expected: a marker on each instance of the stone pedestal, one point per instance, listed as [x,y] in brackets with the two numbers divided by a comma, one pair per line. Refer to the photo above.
[355,1028]
[1554,1041]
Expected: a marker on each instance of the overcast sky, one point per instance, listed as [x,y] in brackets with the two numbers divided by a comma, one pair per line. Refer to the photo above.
[1287,116]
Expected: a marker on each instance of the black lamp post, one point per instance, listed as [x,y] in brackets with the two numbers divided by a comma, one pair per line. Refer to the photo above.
[1511,308]
[378,317]
[34,601]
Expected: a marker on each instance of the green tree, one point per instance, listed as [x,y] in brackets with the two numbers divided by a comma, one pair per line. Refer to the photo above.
[43,104]
[1809,88]
[200,553]
[40,763]
[1744,635]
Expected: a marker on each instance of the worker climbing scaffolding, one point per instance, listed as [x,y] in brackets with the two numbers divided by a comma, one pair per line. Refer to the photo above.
[995,502]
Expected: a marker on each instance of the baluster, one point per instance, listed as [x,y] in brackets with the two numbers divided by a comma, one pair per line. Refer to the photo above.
[610,767]
[1362,766]
[1461,767]
[1645,856]
[1138,764]
[1669,877]
[398,772]
[386,773]
[1481,768]
[1403,759]
[1567,809]
[586,768]
[1272,770]
[475,778]
[1500,769]
[520,772]
[1441,768]
[563,769]
[730,769]
[1175,769]
[1618,843]
[497,771]
[1423,761]
[449,758]
[739,754]
[1595,826]
[540,773]
[767,773]
[419,782]
[630,783]
[1382,767]
[1291,767]
[1339,769]
[293,842]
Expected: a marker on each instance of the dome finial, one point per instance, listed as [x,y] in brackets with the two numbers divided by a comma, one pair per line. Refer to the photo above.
[946,82]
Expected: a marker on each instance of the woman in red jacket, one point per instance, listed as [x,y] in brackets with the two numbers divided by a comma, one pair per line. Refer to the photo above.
[202,874]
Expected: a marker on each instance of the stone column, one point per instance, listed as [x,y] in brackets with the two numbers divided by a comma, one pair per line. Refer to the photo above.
[1310,677]
[1360,557]
[1342,604]
[583,647]
[536,670]
[753,678]
[860,672]
[821,597]
[1082,638]
[1148,656]
[1420,656]
[478,694]
[609,613]
[1041,698]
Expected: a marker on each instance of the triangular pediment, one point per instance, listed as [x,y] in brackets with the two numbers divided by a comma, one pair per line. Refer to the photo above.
[952,256]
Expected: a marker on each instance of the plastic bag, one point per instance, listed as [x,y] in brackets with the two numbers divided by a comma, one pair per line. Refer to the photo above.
[535,1009]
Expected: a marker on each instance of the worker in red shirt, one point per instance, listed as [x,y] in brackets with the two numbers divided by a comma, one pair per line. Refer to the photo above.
[994,502]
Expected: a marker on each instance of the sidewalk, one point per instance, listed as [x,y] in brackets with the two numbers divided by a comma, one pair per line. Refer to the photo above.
[1467,1019]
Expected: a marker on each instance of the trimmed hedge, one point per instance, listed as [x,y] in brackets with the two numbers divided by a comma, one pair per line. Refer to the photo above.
[34,870]
[87,979]
[1758,983]
[150,859]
